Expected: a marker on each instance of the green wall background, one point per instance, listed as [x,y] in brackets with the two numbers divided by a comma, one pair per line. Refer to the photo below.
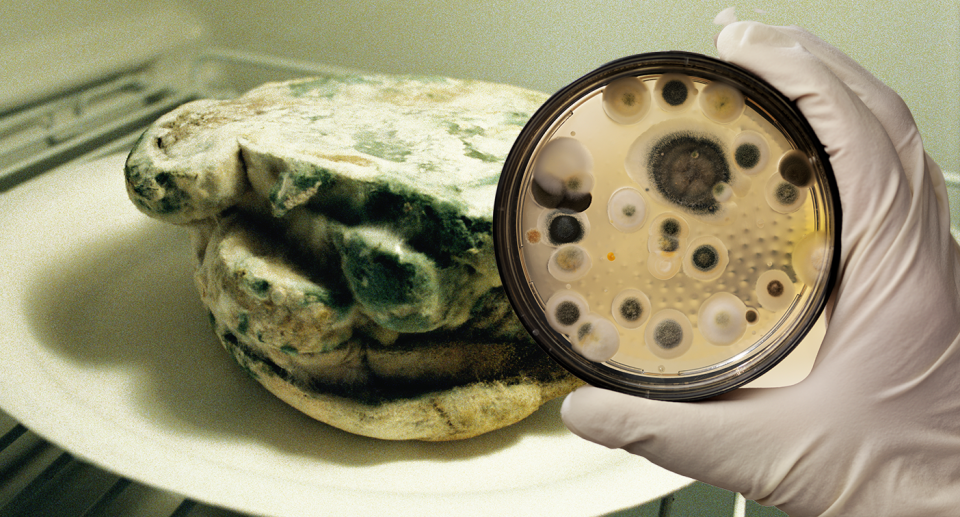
[912,45]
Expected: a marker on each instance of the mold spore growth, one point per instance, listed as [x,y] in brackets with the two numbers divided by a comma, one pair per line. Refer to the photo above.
[685,166]
[660,222]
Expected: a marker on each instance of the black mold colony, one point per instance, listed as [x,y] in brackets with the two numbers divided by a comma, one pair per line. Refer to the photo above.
[705,257]
[548,200]
[747,156]
[631,310]
[684,167]
[584,329]
[675,93]
[668,334]
[795,168]
[670,227]
[787,194]
[564,229]
[668,244]
[775,288]
[669,230]
[567,313]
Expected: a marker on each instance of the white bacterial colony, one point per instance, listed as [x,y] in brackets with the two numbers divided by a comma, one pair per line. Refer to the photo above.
[667,226]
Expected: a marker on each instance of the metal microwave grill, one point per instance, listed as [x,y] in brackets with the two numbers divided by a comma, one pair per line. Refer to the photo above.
[106,117]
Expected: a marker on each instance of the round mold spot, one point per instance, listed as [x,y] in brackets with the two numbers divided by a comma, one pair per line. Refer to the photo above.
[626,100]
[795,168]
[669,224]
[674,92]
[809,257]
[666,244]
[565,309]
[750,152]
[596,339]
[775,291]
[721,102]
[706,258]
[564,169]
[722,192]
[533,236]
[679,163]
[722,319]
[569,262]
[627,209]
[631,308]
[562,226]
[669,334]
[782,196]
[663,268]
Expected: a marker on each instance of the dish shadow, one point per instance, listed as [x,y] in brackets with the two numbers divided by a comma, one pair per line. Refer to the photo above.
[129,302]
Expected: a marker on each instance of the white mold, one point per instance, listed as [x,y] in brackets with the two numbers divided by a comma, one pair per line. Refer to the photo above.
[626,100]
[722,319]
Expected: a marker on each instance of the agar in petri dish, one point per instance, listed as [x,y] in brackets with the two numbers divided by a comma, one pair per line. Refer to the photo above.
[714,197]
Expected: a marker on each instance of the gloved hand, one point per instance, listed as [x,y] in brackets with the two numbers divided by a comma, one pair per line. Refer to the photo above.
[875,428]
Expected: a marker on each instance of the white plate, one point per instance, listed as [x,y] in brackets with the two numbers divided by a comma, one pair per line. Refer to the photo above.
[107,352]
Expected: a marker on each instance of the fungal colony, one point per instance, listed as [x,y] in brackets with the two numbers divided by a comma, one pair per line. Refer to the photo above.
[701,209]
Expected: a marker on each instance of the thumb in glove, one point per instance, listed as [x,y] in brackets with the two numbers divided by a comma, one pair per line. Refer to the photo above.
[875,428]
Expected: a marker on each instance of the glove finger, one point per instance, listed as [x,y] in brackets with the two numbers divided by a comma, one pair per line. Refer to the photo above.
[744,441]
[890,269]
[890,110]
[873,191]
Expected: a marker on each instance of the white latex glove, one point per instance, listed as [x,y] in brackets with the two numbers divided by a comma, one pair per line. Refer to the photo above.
[875,428]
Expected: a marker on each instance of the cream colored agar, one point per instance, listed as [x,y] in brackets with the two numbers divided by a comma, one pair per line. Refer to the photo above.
[757,239]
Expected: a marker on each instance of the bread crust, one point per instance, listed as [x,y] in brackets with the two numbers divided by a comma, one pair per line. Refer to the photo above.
[342,227]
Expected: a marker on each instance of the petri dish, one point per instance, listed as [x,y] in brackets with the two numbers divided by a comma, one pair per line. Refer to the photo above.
[667,226]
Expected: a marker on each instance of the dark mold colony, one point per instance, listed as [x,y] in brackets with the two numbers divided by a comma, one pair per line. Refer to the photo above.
[775,288]
[747,156]
[567,313]
[670,227]
[705,257]
[684,167]
[786,194]
[631,309]
[668,334]
[795,168]
[564,228]
[548,200]
[675,93]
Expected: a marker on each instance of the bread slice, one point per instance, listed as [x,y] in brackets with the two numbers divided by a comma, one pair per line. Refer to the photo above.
[343,232]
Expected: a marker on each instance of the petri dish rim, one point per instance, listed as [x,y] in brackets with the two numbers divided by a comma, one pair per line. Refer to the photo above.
[696,383]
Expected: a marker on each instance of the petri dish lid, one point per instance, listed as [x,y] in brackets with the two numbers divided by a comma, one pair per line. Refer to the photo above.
[667,226]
